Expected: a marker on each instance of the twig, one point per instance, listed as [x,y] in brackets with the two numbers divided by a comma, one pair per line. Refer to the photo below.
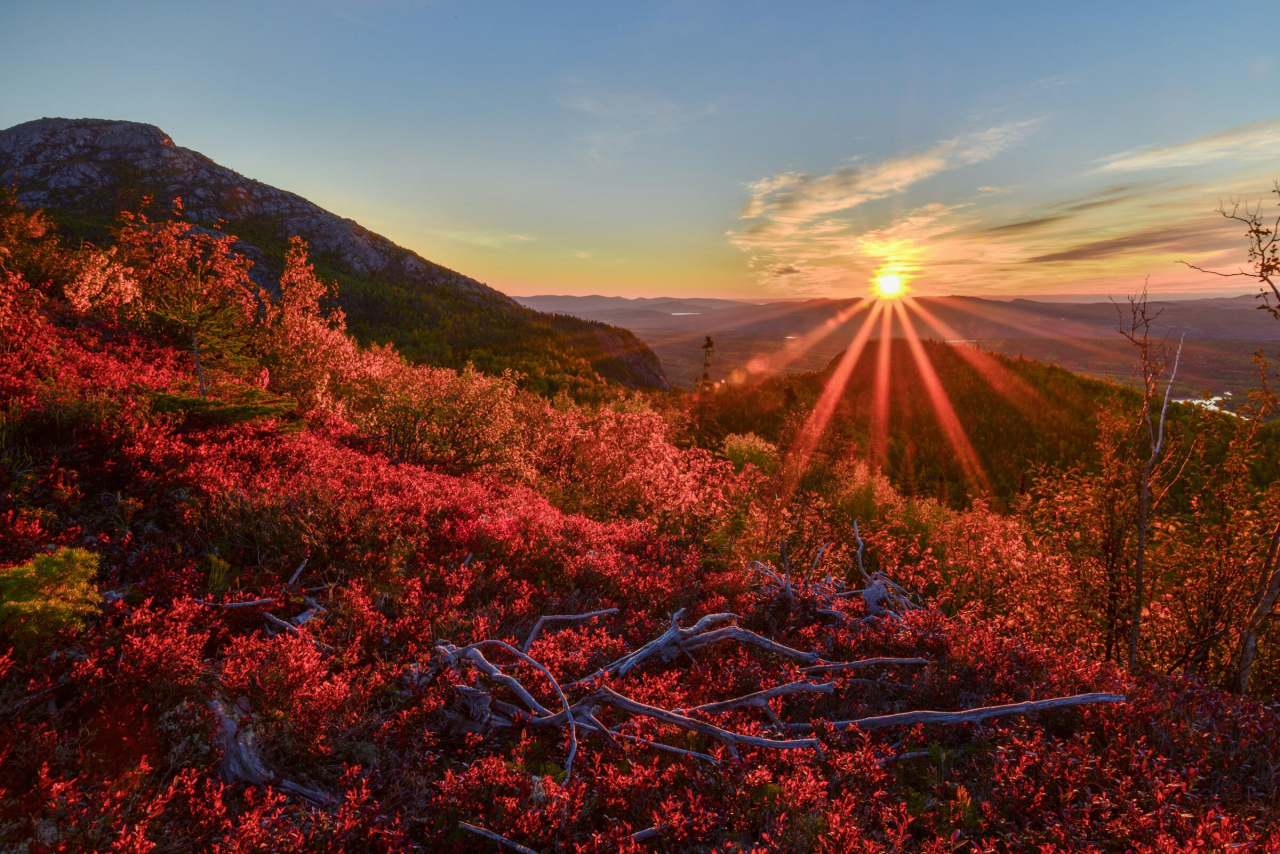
[498,838]
[968,716]
[730,739]
[247,604]
[276,621]
[298,571]
[537,627]
[473,652]
[866,662]
[760,699]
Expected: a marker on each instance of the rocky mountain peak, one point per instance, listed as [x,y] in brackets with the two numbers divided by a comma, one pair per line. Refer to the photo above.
[94,167]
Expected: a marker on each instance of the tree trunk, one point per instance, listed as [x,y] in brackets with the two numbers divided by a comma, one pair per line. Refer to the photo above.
[1266,603]
[195,352]
[1135,627]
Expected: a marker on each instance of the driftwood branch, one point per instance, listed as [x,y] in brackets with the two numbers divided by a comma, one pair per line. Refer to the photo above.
[240,761]
[731,740]
[228,605]
[498,838]
[472,652]
[857,665]
[760,699]
[968,716]
[537,627]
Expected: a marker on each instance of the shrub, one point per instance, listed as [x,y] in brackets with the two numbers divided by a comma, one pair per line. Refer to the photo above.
[743,449]
[48,594]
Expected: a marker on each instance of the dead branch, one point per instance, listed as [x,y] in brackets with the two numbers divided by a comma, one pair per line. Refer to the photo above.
[279,623]
[228,605]
[968,716]
[498,838]
[747,637]
[240,761]
[731,740]
[866,662]
[293,578]
[666,645]
[472,652]
[537,627]
[760,699]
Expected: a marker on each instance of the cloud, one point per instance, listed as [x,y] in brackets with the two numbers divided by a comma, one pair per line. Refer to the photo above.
[490,240]
[1192,236]
[792,197]
[799,239]
[621,118]
[1026,224]
[1257,141]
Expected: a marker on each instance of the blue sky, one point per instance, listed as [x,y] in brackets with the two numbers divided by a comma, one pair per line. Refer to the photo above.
[733,149]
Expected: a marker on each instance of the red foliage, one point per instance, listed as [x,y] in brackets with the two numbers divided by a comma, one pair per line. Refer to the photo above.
[108,741]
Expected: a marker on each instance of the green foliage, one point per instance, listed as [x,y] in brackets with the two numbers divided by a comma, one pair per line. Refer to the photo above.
[743,449]
[219,575]
[238,406]
[48,594]
[1049,421]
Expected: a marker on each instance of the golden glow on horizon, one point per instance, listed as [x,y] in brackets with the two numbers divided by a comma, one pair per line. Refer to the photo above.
[889,285]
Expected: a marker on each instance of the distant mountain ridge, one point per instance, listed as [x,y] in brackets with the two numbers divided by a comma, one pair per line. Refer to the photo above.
[83,171]
[1222,333]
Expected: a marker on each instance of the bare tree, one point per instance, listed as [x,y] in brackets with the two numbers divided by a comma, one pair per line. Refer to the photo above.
[1154,360]
[1264,251]
[1263,235]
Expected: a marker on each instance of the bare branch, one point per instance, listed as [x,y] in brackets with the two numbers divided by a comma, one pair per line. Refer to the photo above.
[537,627]
[866,662]
[968,716]
[228,605]
[760,699]
[472,651]
[732,740]
[498,838]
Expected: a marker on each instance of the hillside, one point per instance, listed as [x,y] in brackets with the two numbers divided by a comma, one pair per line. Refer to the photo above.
[84,171]
[313,597]
[1040,416]
[1222,333]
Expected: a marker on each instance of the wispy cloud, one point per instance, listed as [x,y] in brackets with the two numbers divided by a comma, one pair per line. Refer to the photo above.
[489,240]
[621,118]
[800,243]
[1247,143]
[798,197]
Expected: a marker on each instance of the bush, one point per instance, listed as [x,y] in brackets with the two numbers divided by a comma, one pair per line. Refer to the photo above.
[743,449]
[48,594]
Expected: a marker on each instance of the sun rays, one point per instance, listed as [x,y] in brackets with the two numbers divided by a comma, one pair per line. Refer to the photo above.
[893,314]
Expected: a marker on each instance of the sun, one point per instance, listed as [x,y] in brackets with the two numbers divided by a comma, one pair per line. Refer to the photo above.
[889,286]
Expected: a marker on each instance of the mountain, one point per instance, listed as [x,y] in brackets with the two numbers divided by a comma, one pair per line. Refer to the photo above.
[84,171]
[1221,333]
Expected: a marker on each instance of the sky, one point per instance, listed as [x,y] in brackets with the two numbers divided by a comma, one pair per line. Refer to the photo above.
[731,149]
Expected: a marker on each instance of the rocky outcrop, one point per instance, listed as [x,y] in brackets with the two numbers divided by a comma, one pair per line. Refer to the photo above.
[99,166]
[63,163]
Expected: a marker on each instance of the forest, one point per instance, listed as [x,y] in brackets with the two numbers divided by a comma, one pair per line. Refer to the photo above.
[269,586]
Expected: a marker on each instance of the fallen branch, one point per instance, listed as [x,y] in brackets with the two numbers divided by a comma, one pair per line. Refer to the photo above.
[240,761]
[760,699]
[498,838]
[276,621]
[856,665]
[968,716]
[664,645]
[731,740]
[537,627]
[249,604]
[747,637]
[472,652]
